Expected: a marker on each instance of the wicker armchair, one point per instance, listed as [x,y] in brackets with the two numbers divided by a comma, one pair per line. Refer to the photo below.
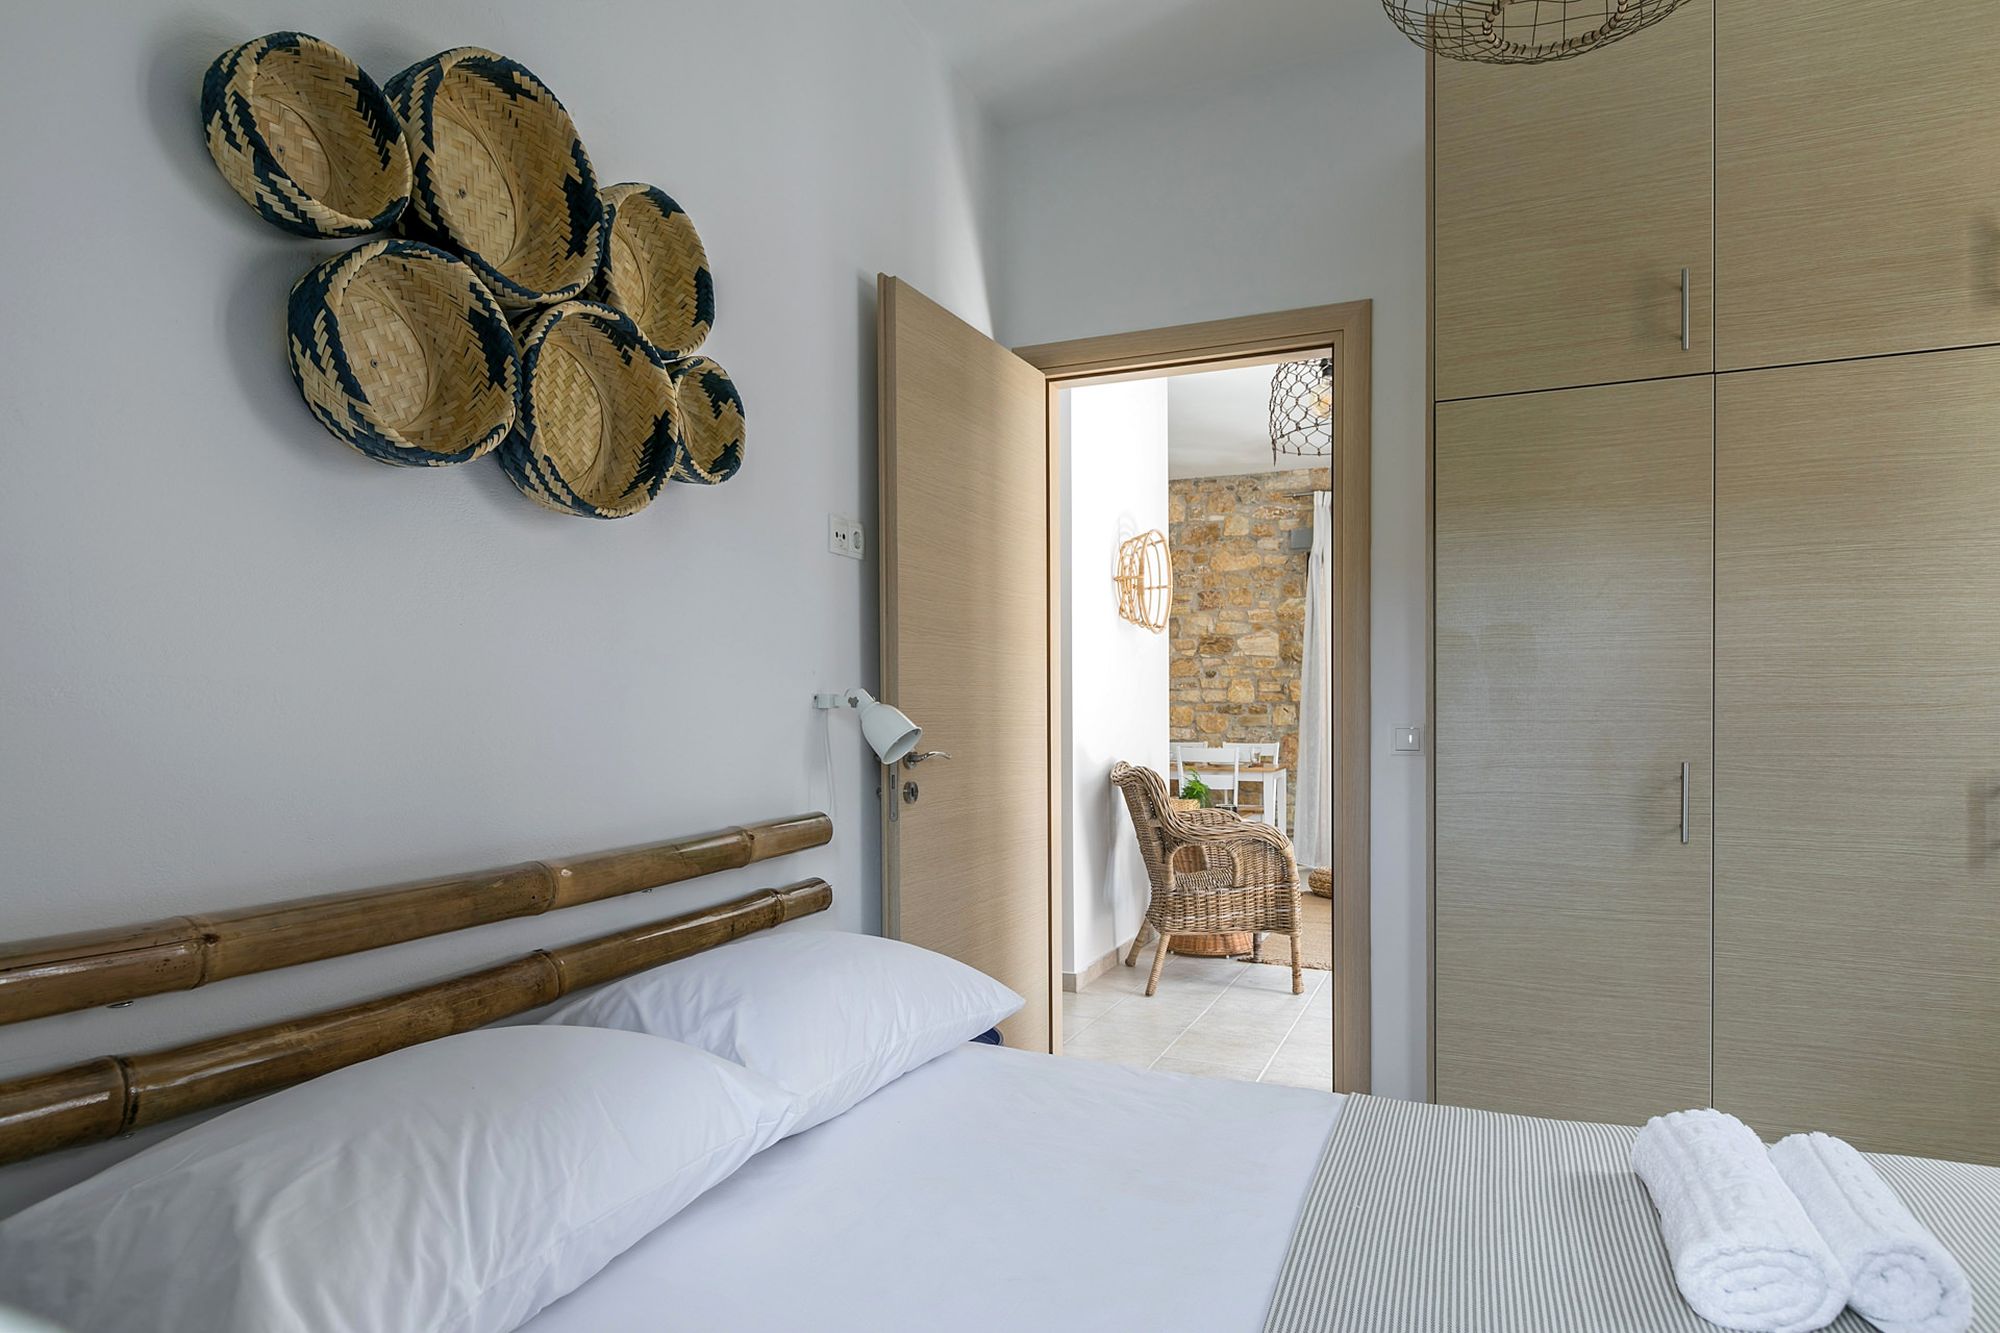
[1212,872]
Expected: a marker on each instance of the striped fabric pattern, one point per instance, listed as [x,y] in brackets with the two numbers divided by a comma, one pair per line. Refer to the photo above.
[1451,1220]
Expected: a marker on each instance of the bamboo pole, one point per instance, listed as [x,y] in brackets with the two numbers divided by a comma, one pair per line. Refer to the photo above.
[103,1098]
[61,973]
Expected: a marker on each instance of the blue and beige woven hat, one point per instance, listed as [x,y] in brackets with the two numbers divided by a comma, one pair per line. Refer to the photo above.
[499,176]
[401,352]
[305,137]
[596,435]
[656,269]
[710,412]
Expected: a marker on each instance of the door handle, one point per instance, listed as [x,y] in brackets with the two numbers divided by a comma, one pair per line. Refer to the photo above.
[1684,802]
[911,761]
[1687,319]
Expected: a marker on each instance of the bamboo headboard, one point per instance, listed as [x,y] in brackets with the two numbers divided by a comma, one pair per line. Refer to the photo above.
[112,1095]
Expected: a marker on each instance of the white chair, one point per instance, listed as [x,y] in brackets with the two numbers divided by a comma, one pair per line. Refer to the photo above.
[1269,794]
[1213,759]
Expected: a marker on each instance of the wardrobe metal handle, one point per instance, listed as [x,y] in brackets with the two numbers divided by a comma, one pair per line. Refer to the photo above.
[1684,801]
[1687,322]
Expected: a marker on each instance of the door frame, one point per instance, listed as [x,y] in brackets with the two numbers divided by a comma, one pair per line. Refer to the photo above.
[1347,329]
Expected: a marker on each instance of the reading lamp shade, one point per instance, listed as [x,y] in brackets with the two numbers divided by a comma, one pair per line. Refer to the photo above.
[888,732]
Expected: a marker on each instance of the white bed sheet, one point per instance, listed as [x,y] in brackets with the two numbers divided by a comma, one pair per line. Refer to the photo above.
[991,1191]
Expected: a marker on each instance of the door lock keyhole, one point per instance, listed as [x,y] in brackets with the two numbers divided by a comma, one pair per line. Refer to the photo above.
[909,793]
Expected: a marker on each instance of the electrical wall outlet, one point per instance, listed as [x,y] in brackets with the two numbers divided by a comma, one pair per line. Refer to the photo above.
[843,537]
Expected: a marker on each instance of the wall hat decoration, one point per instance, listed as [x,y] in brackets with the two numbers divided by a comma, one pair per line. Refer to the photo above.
[655,268]
[500,176]
[305,137]
[402,347]
[403,353]
[596,434]
[711,423]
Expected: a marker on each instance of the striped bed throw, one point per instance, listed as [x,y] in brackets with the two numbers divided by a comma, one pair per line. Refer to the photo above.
[1447,1220]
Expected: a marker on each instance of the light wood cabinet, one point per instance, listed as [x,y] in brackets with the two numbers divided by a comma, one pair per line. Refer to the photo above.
[1857,209]
[1857,844]
[1567,198]
[1574,614]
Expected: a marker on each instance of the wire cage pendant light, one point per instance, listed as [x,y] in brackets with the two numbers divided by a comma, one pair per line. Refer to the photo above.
[1522,32]
[1302,409]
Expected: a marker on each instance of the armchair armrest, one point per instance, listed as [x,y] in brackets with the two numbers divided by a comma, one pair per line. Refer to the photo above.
[1220,827]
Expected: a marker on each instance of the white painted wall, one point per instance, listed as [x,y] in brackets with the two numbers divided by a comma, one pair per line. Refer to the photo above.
[239,662]
[1294,189]
[1115,706]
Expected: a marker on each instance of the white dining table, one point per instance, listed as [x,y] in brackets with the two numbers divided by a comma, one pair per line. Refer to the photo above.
[1272,776]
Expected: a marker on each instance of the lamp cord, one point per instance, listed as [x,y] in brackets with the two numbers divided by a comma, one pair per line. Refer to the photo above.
[832,786]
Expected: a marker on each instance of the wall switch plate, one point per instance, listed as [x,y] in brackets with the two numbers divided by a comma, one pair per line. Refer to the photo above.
[1407,740]
[843,537]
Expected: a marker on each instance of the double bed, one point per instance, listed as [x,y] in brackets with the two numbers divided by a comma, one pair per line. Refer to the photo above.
[888,1172]
[989,1191]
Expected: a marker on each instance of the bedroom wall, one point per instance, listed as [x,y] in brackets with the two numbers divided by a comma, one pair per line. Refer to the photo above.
[1116,704]
[1302,188]
[240,662]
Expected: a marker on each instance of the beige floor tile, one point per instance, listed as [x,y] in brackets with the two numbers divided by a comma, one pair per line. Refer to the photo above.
[1244,1008]
[1257,976]
[1306,1058]
[1092,1003]
[1241,1071]
[1133,1030]
[1117,1049]
[1227,1044]
[1074,1026]
[1299,1077]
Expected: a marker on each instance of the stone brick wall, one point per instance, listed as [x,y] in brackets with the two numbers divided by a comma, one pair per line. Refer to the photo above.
[1238,624]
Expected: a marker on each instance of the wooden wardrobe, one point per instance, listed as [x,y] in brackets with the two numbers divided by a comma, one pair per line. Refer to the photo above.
[1716,455]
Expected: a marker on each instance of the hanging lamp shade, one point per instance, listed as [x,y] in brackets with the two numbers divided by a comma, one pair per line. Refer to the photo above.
[1522,32]
[1302,410]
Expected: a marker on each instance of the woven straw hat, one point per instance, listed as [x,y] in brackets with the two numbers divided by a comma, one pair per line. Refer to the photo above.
[500,176]
[596,435]
[305,137]
[655,268]
[402,353]
[710,412]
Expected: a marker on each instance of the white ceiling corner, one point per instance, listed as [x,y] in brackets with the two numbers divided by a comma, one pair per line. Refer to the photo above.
[1023,59]
[1219,425]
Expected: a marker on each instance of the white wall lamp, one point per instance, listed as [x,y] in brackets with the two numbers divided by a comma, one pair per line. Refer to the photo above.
[888,731]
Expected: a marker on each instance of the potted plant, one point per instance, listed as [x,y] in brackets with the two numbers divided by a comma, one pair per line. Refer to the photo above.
[1195,790]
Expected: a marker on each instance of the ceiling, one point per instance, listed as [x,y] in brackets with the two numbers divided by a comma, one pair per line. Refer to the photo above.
[1020,59]
[1219,424]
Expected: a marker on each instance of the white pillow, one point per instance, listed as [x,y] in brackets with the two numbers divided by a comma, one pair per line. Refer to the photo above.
[454,1187]
[829,1016]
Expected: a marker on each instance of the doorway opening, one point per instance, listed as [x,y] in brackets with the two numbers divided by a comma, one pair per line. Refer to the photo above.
[1221,688]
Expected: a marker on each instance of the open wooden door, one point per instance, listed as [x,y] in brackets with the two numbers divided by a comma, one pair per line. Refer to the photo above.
[966,647]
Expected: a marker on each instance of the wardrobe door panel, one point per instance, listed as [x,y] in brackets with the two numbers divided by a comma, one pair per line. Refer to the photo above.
[1858,752]
[1574,605]
[1567,198]
[1857,211]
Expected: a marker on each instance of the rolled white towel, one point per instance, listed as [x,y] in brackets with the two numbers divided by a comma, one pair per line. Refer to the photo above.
[1902,1280]
[1744,1253]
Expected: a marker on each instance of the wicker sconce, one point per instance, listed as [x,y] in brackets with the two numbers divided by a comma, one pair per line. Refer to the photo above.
[1146,581]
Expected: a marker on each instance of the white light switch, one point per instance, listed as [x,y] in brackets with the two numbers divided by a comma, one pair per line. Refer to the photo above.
[1408,740]
[843,537]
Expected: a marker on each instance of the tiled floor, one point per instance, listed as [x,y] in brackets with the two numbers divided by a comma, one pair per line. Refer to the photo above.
[1211,1016]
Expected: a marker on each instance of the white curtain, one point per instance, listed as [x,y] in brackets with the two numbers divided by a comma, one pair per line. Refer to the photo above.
[1312,830]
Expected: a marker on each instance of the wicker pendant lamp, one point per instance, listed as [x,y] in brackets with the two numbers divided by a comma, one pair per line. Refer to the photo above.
[1302,410]
[1522,32]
